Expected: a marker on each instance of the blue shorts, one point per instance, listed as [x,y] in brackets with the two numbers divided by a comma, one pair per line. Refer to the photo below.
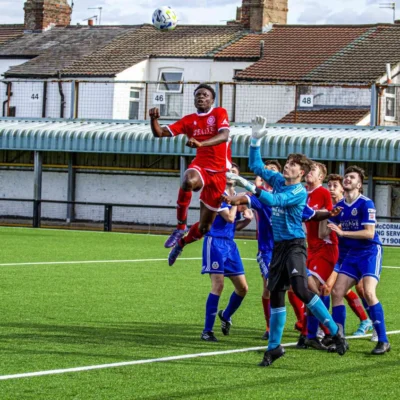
[360,263]
[342,256]
[264,259]
[221,256]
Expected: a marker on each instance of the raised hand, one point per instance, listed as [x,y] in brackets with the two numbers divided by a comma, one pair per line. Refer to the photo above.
[258,129]
[154,113]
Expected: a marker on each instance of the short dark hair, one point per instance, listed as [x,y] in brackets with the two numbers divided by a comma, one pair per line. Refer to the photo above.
[357,170]
[205,86]
[304,162]
[322,168]
[234,165]
[335,178]
[274,162]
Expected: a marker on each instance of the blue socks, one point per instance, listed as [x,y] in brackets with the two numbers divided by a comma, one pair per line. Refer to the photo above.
[234,303]
[316,306]
[378,319]
[339,315]
[211,312]
[327,301]
[277,323]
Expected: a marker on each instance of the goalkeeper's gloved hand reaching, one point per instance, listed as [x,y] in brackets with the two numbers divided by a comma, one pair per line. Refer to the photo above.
[239,181]
[258,130]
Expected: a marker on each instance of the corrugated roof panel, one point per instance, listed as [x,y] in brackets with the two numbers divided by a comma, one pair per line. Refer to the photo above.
[348,143]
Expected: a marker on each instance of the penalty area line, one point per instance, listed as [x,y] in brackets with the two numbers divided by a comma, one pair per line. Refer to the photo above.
[153,360]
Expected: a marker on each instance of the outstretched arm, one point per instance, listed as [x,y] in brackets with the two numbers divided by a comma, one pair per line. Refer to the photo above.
[158,131]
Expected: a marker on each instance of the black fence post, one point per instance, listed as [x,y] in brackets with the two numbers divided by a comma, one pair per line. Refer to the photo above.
[36,213]
[107,218]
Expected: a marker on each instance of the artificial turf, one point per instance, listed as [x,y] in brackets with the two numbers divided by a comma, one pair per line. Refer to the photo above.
[56,316]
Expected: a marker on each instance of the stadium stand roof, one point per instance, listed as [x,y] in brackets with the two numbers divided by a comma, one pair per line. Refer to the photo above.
[336,143]
[105,51]
[354,54]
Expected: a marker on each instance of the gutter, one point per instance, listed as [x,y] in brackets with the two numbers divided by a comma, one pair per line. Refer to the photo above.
[8,94]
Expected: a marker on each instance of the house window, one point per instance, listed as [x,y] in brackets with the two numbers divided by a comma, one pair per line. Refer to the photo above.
[236,71]
[170,84]
[134,101]
[390,95]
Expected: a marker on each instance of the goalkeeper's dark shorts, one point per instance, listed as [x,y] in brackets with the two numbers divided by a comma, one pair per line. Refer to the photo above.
[288,260]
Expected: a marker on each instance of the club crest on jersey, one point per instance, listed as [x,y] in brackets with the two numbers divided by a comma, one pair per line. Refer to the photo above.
[215,265]
[211,120]
[354,212]
[194,123]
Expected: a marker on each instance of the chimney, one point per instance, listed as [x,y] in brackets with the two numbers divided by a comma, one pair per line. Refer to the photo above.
[255,14]
[41,15]
[90,22]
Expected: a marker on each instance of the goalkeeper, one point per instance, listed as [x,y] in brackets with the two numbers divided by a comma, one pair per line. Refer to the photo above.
[288,264]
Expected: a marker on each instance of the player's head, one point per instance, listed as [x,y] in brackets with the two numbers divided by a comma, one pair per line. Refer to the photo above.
[353,179]
[273,165]
[204,96]
[235,170]
[297,166]
[317,174]
[335,186]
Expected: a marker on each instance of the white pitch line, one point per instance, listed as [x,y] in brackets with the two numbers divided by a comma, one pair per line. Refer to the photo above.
[116,261]
[154,360]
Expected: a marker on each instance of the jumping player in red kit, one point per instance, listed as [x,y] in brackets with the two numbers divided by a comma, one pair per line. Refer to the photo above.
[208,132]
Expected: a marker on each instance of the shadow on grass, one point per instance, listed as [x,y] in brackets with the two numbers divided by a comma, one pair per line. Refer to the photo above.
[124,335]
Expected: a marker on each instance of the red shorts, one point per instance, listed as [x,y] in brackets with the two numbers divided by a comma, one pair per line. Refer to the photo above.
[214,184]
[321,263]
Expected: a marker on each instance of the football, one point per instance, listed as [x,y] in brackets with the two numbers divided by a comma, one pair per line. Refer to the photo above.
[164,18]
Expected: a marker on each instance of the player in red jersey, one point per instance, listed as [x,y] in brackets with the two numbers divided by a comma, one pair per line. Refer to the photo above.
[208,132]
[322,253]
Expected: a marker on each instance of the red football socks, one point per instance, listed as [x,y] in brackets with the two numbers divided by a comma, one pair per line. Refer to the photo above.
[193,235]
[356,305]
[267,310]
[183,202]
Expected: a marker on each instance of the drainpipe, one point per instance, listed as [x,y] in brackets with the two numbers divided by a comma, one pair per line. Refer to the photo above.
[8,94]
[63,102]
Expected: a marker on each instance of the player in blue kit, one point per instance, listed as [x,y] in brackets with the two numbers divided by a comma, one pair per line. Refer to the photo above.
[288,264]
[356,227]
[221,258]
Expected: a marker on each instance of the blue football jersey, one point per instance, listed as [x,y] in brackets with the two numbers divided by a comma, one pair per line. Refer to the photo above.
[288,201]
[221,228]
[264,222]
[353,218]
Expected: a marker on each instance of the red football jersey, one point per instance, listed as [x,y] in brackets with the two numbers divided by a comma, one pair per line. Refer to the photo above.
[203,127]
[318,199]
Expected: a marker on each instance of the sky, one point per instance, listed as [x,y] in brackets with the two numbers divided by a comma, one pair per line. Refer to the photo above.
[130,12]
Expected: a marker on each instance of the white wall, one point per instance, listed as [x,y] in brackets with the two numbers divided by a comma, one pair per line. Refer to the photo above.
[115,188]
[223,71]
[96,100]
[19,185]
[139,72]
[6,64]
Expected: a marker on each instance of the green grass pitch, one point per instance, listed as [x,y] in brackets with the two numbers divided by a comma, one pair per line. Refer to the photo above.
[67,315]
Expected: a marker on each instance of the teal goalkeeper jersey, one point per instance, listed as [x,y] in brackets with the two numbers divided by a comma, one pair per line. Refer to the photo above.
[287,201]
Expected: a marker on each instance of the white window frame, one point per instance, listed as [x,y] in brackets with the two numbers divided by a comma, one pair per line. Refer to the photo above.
[390,96]
[133,99]
[170,71]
